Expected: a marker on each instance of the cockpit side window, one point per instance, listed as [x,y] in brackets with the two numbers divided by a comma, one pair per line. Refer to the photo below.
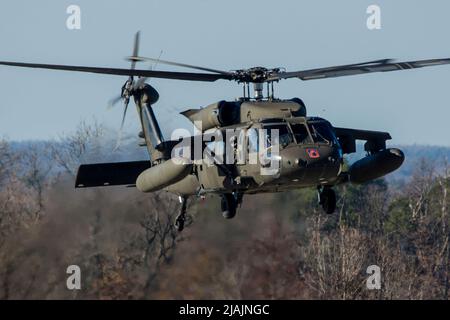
[300,133]
[321,132]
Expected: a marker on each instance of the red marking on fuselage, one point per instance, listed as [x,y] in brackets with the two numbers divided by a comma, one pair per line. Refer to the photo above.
[313,153]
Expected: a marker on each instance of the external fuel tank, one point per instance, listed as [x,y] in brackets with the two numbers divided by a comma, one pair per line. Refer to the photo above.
[376,165]
[162,175]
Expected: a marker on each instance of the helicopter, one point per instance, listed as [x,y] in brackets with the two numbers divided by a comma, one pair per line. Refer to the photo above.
[271,144]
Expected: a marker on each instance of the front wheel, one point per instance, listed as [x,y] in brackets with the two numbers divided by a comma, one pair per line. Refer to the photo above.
[228,205]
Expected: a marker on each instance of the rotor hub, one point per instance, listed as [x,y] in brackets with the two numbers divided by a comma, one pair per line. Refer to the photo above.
[254,75]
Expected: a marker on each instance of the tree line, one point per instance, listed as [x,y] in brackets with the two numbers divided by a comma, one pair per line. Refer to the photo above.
[279,246]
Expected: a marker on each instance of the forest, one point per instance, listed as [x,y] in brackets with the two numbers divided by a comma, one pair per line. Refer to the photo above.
[279,246]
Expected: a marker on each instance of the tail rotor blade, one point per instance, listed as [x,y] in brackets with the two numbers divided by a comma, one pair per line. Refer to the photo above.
[112,102]
[172,63]
[142,80]
[157,61]
[135,49]
[124,115]
[119,136]
[127,89]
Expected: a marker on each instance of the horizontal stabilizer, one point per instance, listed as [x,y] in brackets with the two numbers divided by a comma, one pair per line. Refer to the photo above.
[110,174]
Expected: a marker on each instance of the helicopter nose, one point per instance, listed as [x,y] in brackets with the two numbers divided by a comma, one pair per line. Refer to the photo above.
[321,157]
[301,162]
[318,155]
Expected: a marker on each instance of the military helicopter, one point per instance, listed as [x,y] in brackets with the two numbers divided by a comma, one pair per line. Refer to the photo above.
[310,151]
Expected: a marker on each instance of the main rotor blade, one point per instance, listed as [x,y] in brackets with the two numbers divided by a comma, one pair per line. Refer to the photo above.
[171,63]
[125,72]
[350,70]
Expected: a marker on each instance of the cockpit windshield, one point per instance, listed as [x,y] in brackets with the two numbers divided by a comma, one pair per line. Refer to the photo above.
[321,132]
[285,136]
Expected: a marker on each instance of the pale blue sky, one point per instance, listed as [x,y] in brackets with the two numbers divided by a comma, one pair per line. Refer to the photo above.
[412,105]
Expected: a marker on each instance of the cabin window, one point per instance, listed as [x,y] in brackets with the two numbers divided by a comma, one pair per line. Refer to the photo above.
[253,141]
[240,147]
[217,151]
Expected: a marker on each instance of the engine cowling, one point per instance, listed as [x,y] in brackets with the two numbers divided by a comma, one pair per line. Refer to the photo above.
[218,114]
[226,113]
[376,165]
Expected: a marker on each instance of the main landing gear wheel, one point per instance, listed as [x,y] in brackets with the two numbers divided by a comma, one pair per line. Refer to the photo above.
[228,205]
[327,199]
[181,218]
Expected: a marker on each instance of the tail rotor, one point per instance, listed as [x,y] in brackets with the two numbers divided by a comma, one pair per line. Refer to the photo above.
[127,89]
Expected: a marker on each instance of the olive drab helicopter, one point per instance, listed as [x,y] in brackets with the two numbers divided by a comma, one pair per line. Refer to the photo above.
[310,150]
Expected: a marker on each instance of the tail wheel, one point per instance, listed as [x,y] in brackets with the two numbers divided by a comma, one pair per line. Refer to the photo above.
[179,224]
[181,218]
[229,205]
[328,200]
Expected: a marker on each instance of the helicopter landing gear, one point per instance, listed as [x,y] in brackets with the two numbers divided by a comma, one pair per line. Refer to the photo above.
[181,218]
[229,203]
[327,199]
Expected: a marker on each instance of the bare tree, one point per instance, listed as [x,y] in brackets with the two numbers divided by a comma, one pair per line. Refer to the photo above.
[71,149]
